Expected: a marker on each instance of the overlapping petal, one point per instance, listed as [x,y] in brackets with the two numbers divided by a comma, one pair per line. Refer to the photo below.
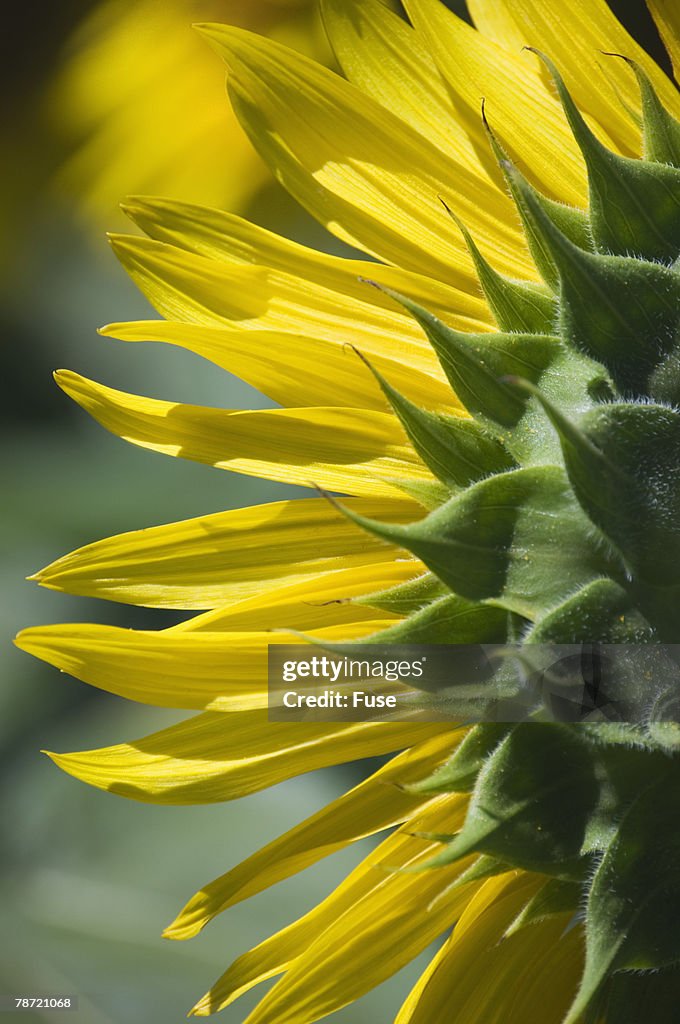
[523,112]
[377,803]
[216,559]
[380,916]
[576,33]
[201,670]
[370,179]
[213,757]
[667,18]
[356,451]
[382,54]
[315,602]
[477,979]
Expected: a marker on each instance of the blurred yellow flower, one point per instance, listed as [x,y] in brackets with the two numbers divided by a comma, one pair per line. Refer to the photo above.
[141,102]
[371,158]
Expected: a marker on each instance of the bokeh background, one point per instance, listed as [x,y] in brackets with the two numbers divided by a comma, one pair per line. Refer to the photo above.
[102,98]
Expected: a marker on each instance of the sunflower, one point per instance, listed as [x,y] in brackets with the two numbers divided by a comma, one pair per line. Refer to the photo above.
[508,449]
[138,97]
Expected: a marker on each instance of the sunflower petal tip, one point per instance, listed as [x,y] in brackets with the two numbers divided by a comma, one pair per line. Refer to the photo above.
[20,639]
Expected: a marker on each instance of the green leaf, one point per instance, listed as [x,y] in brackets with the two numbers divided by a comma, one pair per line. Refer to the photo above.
[634,902]
[518,539]
[634,204]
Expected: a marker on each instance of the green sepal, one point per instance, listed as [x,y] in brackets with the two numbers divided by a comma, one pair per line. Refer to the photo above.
[518,538]
[467,684]
[483,867]
[518,306]
[447,620]
[428,493]
[457,449]
[602,611]
[663,383]
[460,772]
[634,900]
[408,597]
[665,735]
[634,204]
[660,130]
[621,311]
[547,798]
[622,461]
[556,897]
[474,363]
[572,222]
[628,998]
[531,802]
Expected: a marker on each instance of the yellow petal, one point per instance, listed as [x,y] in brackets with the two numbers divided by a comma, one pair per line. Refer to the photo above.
[191,669]
[382,55]
[667,17]
[213,757]
[335,282]
[211,293]
[372,180]
[574,33]
[295,370]
[375,921]
[480,978]
[520,108]
[375,804]
[355,451]
[213,560]
[316,602]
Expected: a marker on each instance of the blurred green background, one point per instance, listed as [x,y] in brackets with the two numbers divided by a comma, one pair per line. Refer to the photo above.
[88,879]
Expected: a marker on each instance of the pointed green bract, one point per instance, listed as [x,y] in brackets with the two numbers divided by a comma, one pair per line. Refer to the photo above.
[577,541]
[634,204]
[556,897]
[461,770]
[572,222]
[450,619]
[631,917]
[405,598]
[660,130]
[622,311]
[457,450]
[602,609]
[516,305]
[518,538]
